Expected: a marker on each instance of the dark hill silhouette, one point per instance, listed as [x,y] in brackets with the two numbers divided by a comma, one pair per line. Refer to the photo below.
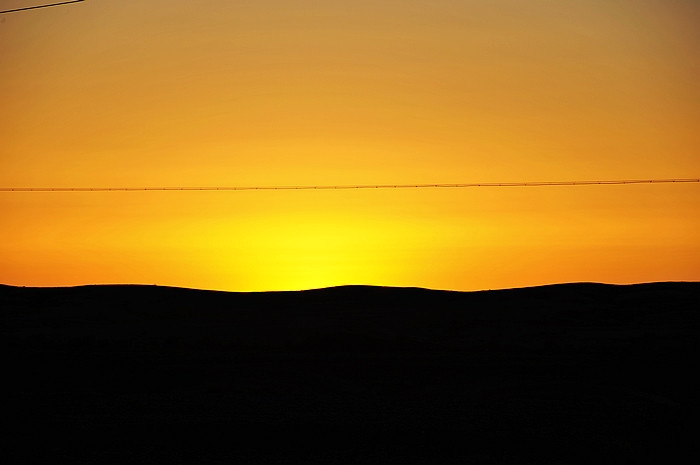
[563,374]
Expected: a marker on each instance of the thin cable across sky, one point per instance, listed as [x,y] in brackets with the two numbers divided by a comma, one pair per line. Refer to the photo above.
[36,7]
[353,186]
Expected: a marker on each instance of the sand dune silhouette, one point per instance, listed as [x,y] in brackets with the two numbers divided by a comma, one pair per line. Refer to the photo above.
[576,373]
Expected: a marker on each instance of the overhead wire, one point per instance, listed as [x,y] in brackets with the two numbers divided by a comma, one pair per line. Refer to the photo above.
[36,7]
[606,182]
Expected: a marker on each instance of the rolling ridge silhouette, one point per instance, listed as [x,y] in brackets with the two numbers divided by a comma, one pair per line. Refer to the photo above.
[575,373]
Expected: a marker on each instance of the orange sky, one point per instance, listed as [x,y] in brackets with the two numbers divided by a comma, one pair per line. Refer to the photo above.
[156,92]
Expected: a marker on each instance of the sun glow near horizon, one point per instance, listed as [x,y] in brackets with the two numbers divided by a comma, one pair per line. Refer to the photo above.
[255,241]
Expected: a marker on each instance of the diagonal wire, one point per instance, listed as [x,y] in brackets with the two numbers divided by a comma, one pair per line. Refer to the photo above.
[353,186]
[40,6]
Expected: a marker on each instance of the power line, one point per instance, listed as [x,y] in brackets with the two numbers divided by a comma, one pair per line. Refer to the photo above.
[353,186]
[40,6]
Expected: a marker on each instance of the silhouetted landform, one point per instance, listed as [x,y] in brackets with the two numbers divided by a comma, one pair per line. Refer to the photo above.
[564,374]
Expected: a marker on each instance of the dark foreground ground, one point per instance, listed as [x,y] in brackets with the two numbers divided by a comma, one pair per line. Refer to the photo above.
[567,374]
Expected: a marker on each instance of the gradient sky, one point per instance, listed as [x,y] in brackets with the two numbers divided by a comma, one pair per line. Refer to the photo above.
[214,92]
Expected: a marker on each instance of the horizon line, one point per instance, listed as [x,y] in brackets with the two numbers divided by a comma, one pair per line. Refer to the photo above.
[166,286]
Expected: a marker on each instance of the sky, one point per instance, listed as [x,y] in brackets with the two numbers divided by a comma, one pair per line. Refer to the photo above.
[133,93]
